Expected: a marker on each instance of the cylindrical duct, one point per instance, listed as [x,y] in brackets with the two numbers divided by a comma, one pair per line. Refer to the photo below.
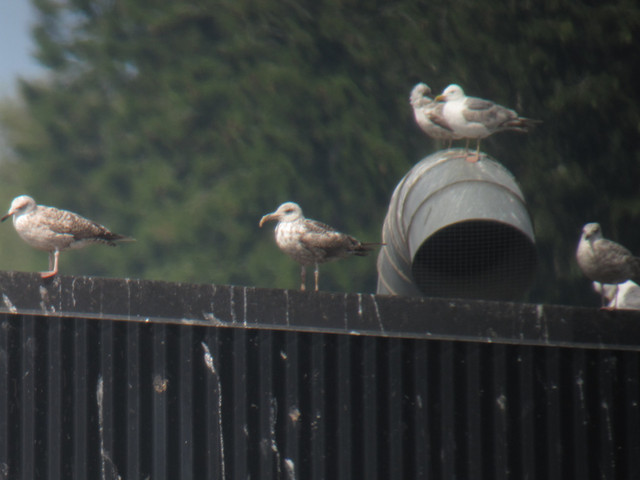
[457,229]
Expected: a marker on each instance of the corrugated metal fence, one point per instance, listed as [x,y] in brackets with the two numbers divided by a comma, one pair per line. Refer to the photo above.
[97,399]
[101,399]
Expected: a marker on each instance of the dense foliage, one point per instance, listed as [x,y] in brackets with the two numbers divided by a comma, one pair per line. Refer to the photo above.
[182,123]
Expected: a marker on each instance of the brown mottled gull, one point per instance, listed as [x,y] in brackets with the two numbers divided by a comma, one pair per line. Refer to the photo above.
[54,230]
[310,242]
[428,114]
[605,261]
[476,118]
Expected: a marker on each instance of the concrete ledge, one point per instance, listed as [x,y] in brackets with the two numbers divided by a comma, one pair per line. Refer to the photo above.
[355,314]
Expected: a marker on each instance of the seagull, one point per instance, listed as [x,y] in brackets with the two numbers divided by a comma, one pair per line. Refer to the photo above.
[310,242]
[54,230]
[625,295]
[605,261]
[428,114]
[471,117]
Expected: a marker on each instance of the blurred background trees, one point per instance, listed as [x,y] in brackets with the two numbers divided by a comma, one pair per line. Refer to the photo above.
[182,123]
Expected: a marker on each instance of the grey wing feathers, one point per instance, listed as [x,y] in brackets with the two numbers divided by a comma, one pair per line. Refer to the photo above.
[496,117]
[314,226]
[68,223]
[473,103]
[492,117]
[611,252]
[320,236]
[436,116]
[613,256]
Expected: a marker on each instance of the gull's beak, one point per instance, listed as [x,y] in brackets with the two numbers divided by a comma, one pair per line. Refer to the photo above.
[268,217]
[439,98]
[6,216]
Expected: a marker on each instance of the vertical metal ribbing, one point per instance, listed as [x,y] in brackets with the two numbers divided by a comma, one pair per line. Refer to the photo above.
[446,408]
[29,441]
[499,405]
[160,385]
[5,355]
[335,406]
[185,402]
[79,381]
[605,418]
[523,413]
[104,396]
[421,440]
[581,379]
[394,405]
[54,410]
[370,409]
[318,411]
[630,415]
[239,395]
[344,440]
[214,461]
[133,400]
[267,406]
[471,403]
[551,404]
[291,413]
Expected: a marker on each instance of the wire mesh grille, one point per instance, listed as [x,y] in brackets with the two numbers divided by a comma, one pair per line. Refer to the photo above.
[475,259]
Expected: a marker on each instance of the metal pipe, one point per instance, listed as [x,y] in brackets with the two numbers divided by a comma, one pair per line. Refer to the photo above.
[457,229]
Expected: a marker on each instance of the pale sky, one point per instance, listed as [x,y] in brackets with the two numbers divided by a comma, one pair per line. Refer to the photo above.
[16,18]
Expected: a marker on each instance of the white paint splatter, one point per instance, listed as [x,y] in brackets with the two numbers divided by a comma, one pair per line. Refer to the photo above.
[7,303]
[73,291]
[580,383]
[44,300]
[208,361]
[607,414]
[244,304]
[210,317]
[104,455]
[273,416]
[294,414]
[290,467]
[502,402]
[232,305]
[375,306]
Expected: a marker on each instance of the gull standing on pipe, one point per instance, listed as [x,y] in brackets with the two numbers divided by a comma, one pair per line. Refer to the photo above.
[54,230]
[310,242]
[605,261]
[471,117]
[428,114]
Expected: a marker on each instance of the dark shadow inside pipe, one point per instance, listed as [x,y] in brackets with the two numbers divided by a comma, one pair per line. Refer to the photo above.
[475,259]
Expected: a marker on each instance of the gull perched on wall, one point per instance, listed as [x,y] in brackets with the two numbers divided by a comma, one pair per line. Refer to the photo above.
[605,261]
[476,118]
[54,230]
[310,242]
[625,296]
[426,110]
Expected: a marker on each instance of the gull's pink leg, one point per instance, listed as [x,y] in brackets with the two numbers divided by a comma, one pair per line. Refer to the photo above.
[477,157]
[466,148]
[316,274]
[303,278]
[53,270]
